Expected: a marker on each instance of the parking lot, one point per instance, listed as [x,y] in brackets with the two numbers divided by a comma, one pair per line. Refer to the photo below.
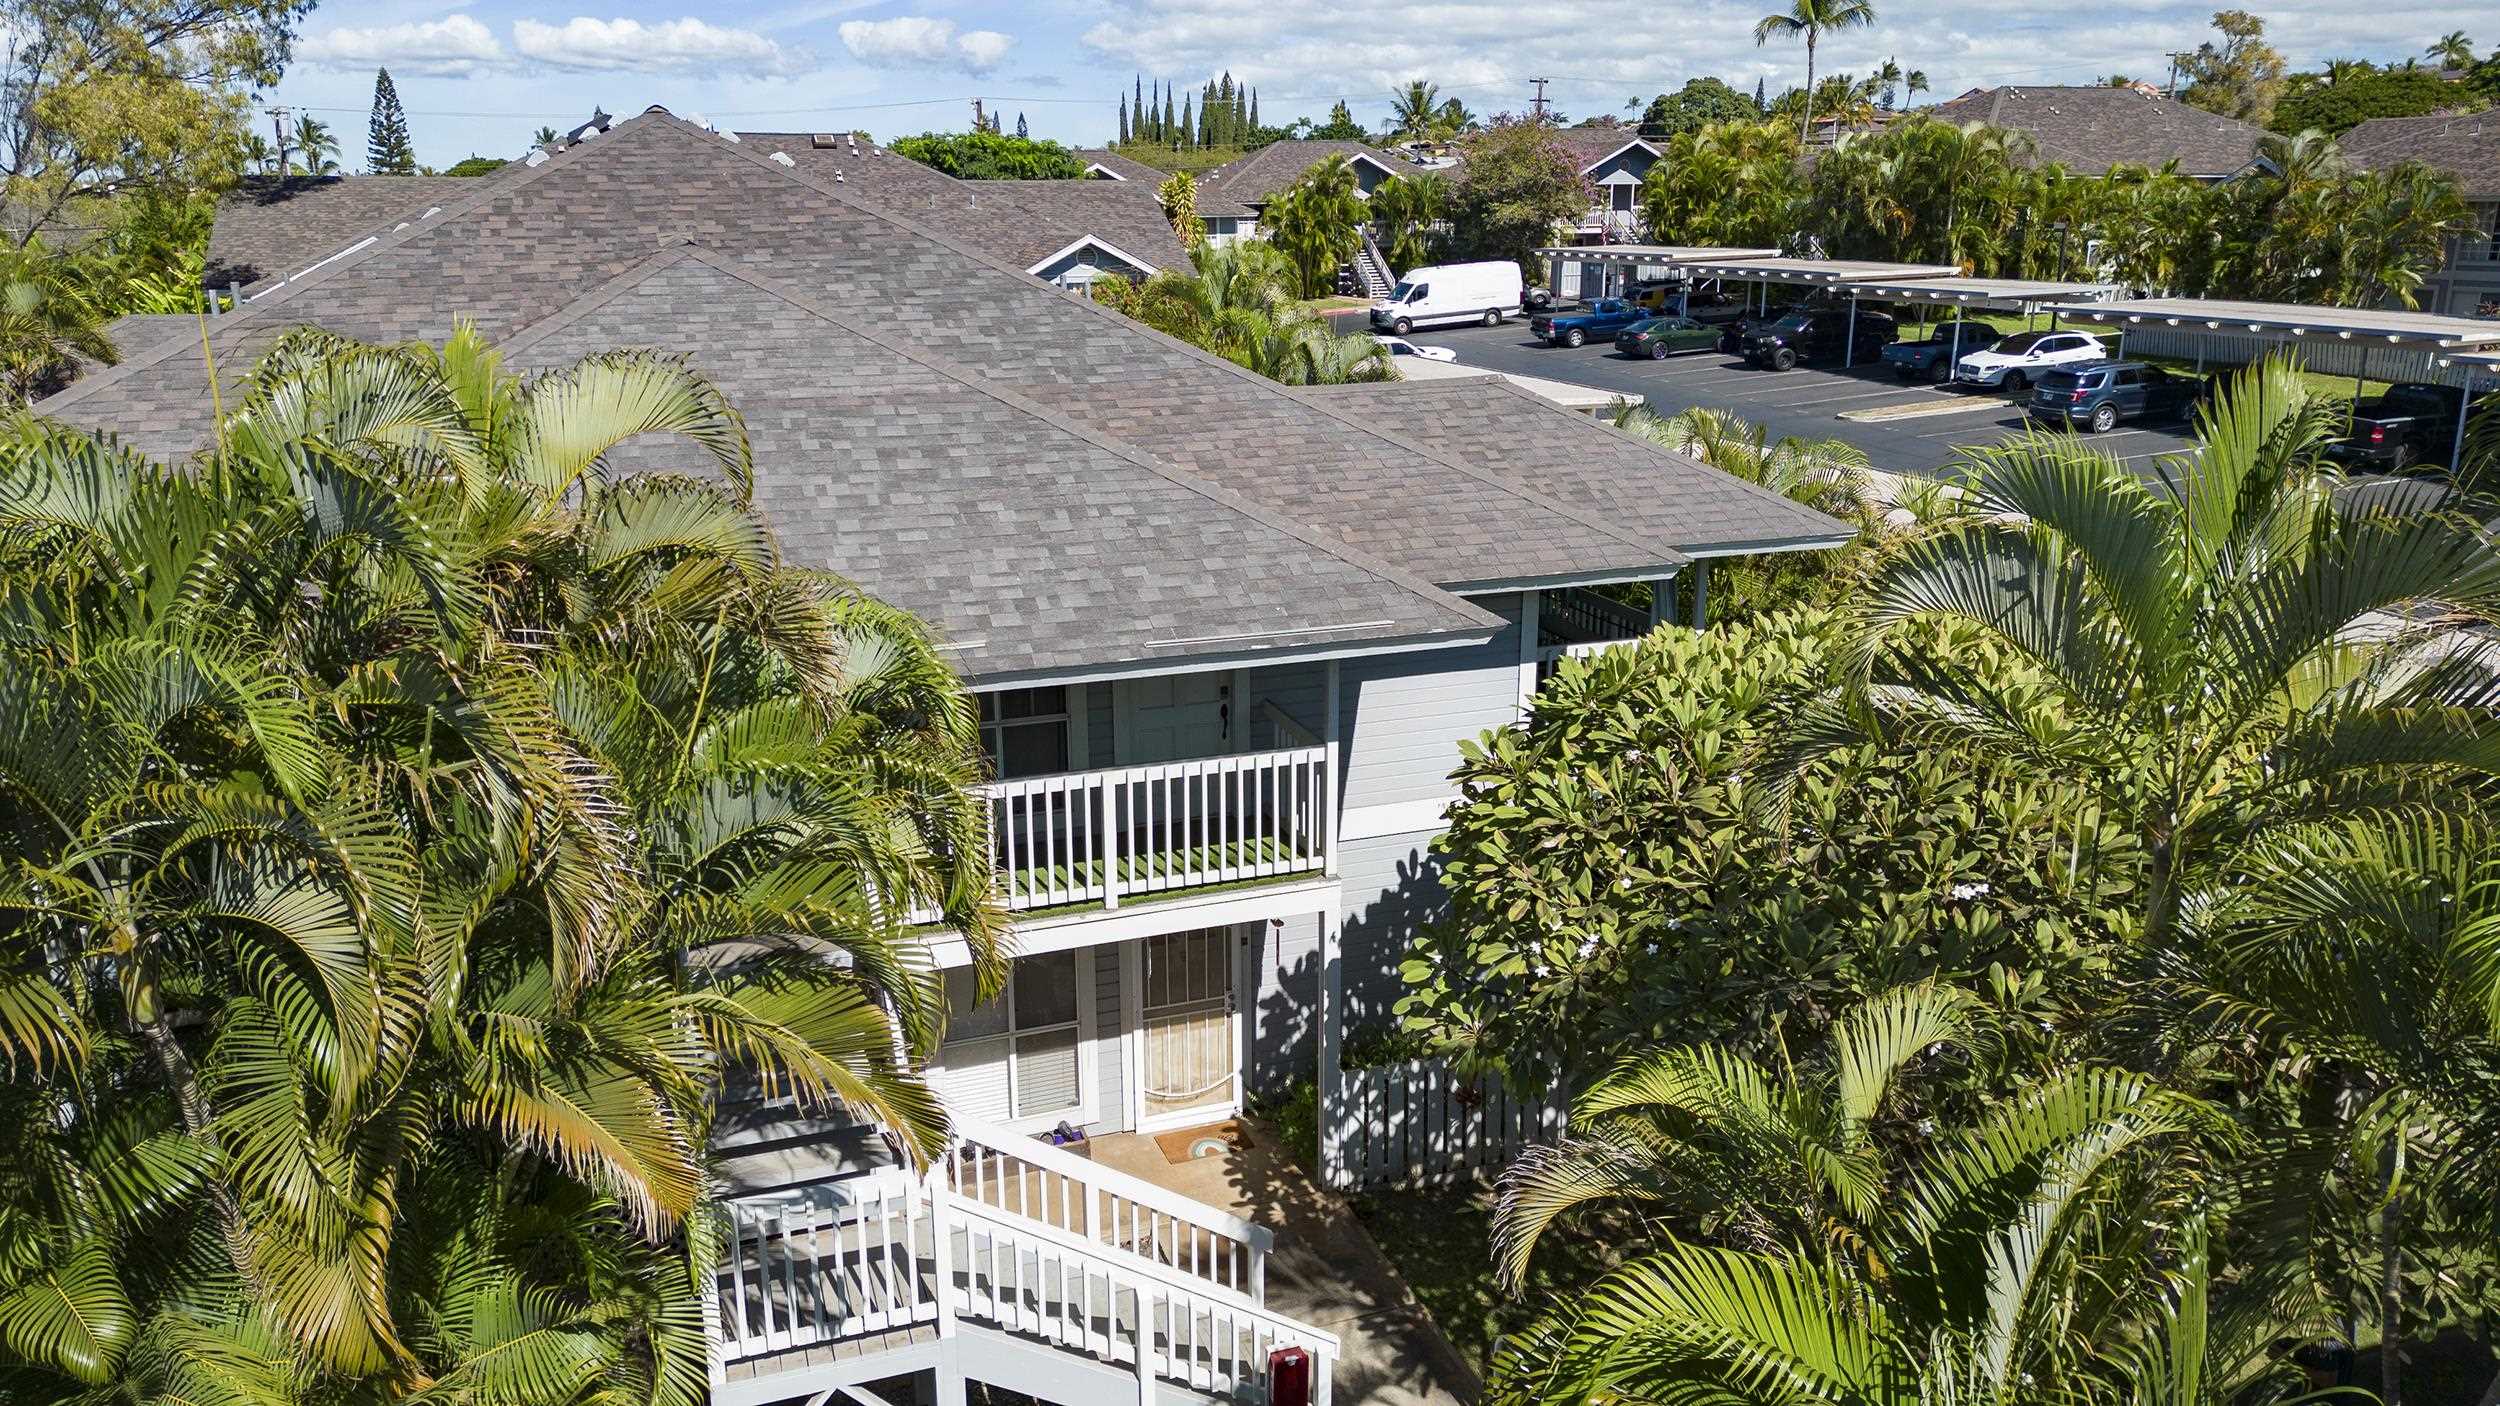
[1806,402]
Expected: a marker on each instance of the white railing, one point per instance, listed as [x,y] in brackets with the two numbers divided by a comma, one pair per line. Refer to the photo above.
[855,1259]
[2465,252]
[1106,1206]
[1096,837]
[1417,1121]
[1586,615]
[1283,729]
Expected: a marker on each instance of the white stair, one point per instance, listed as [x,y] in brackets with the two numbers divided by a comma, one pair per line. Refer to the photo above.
[1371,268]
[1011,1263]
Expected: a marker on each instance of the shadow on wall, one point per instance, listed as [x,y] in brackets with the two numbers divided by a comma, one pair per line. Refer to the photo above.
[1404,880]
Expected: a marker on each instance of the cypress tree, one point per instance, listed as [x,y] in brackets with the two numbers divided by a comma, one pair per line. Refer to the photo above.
[1169,133]
[1254,109]
[1761,97]
[387,149]
[1189,130]
[1137,105]
[1124,119]
[1021,134]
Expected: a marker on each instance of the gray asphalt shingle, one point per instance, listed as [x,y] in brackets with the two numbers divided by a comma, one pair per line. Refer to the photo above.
[2089,130]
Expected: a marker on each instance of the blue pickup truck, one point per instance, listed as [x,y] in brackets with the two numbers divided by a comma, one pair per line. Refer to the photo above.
[1933,359]
[1601,319]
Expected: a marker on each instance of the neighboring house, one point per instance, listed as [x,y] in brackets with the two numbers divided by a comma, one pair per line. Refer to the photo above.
[1614,160]
[1105,165]
[2089,130]
[1065,232]
[1227,638]
[2467,148]
[1232,197]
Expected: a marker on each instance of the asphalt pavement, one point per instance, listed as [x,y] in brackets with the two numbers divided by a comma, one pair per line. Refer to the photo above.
[1806,402]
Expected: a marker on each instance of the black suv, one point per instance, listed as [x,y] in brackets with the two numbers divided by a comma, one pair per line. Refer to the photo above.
[2097,395]
[1818,334]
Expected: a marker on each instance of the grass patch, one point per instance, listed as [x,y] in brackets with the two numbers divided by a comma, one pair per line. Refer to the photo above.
[1441,1241]
[1325,305]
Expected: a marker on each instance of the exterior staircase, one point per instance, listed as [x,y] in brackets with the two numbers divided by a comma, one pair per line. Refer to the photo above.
[1371,269]
[1011,1263]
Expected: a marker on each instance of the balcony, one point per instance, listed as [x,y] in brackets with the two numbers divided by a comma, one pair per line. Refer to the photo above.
[2472,253]
[1575,623]
[1099,838]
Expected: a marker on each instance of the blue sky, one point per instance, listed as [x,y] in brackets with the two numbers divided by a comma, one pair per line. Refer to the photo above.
[482,77]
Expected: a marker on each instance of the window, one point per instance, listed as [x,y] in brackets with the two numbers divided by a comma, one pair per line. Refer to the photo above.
[1018,1056]
[2130,376]
[1422,291]
[1026,731]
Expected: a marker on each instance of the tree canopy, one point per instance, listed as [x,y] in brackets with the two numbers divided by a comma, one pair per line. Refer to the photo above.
[990,156]
[1699,103]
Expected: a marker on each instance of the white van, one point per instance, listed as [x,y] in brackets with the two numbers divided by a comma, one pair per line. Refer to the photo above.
[1441,294]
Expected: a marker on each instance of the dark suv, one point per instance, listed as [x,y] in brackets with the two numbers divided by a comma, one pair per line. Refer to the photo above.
[2098,395]
[1818,334]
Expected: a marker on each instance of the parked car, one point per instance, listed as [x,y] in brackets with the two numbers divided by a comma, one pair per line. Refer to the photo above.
[2100,395]
[1536,297]
[1661,337]
[2024,357]
[1603,318]
[1932,359]
[1441,294]
[1818,334]
[2414,422]
[1399,346]
[1672,301]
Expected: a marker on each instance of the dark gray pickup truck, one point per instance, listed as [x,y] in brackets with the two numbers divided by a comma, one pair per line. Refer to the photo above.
[2415,422]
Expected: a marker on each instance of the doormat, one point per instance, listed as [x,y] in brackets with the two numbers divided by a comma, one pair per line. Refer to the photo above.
[1190,1144]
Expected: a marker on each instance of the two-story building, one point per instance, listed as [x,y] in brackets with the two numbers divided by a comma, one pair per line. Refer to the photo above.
[1226,637]
[2467,148]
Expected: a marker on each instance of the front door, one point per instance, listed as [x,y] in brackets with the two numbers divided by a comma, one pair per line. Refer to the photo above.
[1172,717]
[1190,1071]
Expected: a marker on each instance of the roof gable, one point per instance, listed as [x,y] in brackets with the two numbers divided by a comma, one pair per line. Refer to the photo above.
[2090,129]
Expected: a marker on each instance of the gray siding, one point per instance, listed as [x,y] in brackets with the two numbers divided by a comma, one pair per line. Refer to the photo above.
[1110,1052]
[1284,1000]
[1635,163]
[1404,714]
[1097,725]
[1392,889]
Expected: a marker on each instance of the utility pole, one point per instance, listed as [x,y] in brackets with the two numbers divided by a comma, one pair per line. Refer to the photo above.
[1538,102]
[979,122]
[277,120]
[2173,88]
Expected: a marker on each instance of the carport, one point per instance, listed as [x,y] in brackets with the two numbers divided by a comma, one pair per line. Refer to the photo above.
[2027,296]
[2325,335]
[2482,373]
[1833,274]
[1629,259]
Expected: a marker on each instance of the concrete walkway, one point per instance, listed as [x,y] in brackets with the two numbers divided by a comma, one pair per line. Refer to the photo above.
[1325,1270]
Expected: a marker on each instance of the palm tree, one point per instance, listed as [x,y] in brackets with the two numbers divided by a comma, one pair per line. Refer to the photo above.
[1405,208]
[2345,70]
[1831,476]
[1812,19]
[2453,50]
[48,318]
[1915,81]
[1415,110]
[1314,223]
[1456,120]
[319,145]
[1836,1244]
[547,137]
[2219,651]
[2363,956]
[1241,302]
[412,831]
[2394,234]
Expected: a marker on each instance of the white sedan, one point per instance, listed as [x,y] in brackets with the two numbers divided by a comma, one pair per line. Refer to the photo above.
[1399,346]
[2018,361]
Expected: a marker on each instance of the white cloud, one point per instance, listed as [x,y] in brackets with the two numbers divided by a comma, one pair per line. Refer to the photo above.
[455,45]
[927,42]
[666,46]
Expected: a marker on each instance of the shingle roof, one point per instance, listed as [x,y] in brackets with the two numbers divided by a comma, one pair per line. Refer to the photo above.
[269,229]
[1052,484]
[1590,145]
[1126,168]
[1022,222]
[2092,129]
[2467,147]
[1582,459]
[1237,186]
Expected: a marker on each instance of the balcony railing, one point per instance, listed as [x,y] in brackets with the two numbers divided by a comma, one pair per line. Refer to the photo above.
[2464,252]
[1100,837]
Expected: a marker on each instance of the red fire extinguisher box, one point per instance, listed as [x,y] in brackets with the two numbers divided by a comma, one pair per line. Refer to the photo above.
[1289,1377]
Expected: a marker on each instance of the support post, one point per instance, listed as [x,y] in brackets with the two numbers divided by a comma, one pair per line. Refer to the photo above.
[1329,1017]
[2465,406]
[2352,412]
[1849,343]
[1957,351]
[1701,595]
[1333,782]
[2121,353]
[1658,600]
[950,1367]
[1528,631]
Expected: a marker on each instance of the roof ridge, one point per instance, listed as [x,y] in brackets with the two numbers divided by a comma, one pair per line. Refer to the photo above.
[231,325]
[981,384]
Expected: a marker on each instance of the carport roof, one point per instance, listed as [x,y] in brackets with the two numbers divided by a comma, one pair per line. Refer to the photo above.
[1650,253]
[2020,292]
[2293,319]
[1815,271]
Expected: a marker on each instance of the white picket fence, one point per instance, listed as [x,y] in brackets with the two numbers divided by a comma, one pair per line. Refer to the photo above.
[1416,1122]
